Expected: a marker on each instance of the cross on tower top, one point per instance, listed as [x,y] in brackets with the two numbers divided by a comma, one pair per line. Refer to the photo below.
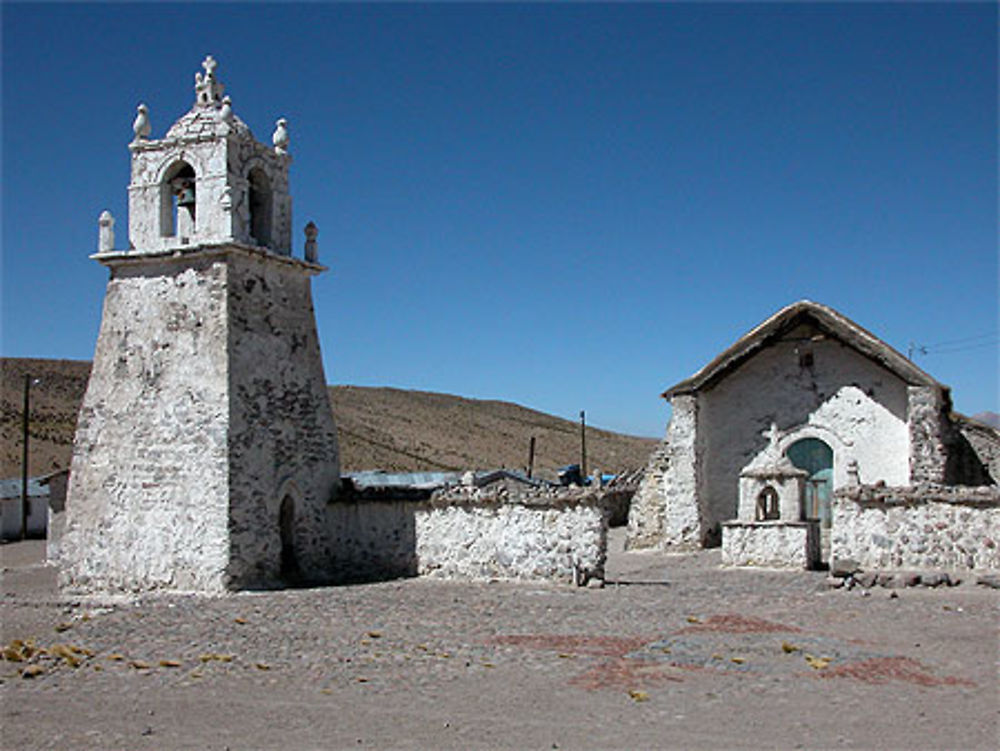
[207,89]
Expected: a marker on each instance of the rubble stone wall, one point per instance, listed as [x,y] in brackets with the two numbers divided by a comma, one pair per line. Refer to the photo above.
[512,540]
[281,433]
[465,537]
[929,527]
[646,516]
[770,544]
[978,453]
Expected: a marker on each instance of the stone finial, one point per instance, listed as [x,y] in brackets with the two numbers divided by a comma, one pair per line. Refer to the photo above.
[226,113]
[105,232]
[208,90]
[311,252]
[280,137]
[141,126]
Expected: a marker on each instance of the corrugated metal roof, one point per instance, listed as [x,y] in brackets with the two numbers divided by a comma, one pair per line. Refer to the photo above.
[423,480]
[11,488]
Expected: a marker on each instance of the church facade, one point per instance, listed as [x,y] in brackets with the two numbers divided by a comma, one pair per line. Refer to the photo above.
[805,404]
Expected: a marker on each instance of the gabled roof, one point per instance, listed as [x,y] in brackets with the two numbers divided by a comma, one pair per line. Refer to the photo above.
[826,320]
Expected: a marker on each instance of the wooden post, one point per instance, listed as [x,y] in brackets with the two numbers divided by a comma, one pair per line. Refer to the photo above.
[531,457]
[24,458]
[583,446]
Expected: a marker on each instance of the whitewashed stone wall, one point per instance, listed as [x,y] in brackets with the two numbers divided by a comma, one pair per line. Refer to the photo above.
[512,540]
[468,534]
[147,504]
[844,399]
[917,528]
[771,544]
[57,483]
[206,406]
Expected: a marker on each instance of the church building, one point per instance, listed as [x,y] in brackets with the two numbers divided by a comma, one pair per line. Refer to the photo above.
[804,404]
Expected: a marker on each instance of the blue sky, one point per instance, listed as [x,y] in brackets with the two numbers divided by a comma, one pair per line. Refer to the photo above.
[565,206]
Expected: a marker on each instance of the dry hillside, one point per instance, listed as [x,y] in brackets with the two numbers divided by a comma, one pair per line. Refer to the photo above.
[380,428]
[393,429]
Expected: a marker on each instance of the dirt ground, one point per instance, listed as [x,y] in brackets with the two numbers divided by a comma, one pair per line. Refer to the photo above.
[678,654]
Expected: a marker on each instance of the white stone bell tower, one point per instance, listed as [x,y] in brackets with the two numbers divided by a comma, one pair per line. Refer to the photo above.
[206,451]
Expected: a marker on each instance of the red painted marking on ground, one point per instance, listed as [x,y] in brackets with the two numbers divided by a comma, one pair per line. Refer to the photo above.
[609,646]
[885,669]
[730,623]
[623,674]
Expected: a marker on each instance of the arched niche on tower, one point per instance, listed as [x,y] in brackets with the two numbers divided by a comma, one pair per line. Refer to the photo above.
[260,200]
[178,200]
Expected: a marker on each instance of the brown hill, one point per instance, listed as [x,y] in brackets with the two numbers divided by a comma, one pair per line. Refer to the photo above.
[379,428]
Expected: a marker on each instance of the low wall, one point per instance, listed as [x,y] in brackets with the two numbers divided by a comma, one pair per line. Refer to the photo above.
[374,539]
[466,533]
[771,544]
[928,527]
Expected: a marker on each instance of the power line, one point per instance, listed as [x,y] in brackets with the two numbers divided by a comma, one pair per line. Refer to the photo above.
[992,334]
[953,350]
[953,346]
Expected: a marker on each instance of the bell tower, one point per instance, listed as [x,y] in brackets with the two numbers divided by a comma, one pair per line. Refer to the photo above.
[208,180]
[206,452]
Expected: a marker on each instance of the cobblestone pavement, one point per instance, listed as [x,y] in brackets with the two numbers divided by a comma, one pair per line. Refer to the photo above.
[678,654]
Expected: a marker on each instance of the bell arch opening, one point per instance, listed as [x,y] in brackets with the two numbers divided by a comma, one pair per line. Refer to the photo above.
[260,202]
[178,201]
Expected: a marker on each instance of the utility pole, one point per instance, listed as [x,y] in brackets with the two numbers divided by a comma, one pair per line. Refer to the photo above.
[583,446]
[531,457]
[24,458]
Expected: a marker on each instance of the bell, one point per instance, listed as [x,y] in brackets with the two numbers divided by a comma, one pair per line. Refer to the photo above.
[186,196]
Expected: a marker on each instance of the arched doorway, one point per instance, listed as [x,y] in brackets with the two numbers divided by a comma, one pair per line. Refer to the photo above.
[815,457]
[286,524]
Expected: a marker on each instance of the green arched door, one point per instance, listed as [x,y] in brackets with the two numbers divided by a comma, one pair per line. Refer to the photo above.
[816,458]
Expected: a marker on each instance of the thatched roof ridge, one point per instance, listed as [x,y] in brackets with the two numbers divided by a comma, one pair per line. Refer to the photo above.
[824,318]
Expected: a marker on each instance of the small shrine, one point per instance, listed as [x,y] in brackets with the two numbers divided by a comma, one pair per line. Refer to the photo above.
[771,528]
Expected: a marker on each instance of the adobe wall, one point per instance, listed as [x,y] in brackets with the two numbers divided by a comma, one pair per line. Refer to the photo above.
[931,527]
[846,400]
